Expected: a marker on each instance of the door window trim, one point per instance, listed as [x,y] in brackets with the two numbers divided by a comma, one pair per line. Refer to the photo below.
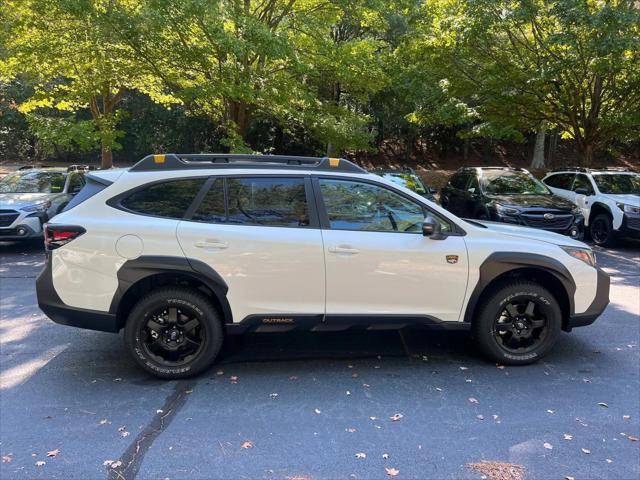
[456,230]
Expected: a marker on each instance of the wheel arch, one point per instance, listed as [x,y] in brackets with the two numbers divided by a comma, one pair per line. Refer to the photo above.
[596,209]
[546,271]
[146,273]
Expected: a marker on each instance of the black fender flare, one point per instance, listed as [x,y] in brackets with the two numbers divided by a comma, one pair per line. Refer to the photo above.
[132,271]
[604,206]
[502,262]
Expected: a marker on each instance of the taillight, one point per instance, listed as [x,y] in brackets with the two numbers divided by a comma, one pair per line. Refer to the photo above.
[55,236]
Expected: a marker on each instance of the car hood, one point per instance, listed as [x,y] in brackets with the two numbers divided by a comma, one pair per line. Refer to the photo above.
[18,200]
[531,233]
[533,201]
[629,199]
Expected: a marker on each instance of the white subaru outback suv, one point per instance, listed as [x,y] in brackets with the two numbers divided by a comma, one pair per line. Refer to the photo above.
[609,200]
[181,250]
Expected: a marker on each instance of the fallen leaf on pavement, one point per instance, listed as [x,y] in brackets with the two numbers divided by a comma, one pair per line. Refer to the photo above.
[396,416]
[361,455]
[632,438]
[7,458]
[464,368]
[626,417]
[373,418]
[438,389]
[548,446]
[53,453]
[551,411]
[473,400]
[107,463]
[40,463]
[609,460]
[317,410]
[392,472]
[247,444]
[355,375]
[480,417]
[569,477]
[568,437]
[116,464]
[104,421]
[385,456]
[585,451]
[602,404]
[498,470]
[273,395]
[233,379]
[350,430]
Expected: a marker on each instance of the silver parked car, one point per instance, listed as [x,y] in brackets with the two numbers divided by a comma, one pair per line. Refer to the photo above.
[31,196]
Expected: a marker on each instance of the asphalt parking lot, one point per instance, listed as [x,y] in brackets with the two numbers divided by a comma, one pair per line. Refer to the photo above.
[302,406]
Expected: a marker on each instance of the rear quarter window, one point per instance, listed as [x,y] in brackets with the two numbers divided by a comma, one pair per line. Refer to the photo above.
[166,199]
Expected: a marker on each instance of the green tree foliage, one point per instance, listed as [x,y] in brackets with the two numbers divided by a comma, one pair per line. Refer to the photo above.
[75,63]
[510,66]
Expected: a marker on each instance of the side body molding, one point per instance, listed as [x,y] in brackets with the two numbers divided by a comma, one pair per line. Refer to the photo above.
[147,265]
[501,262]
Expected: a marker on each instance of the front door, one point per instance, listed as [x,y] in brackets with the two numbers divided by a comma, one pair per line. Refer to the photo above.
[260,235]
[377,260]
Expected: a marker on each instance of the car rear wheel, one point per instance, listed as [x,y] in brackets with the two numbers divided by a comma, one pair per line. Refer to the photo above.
[517,323]
[174,332]
[601,230]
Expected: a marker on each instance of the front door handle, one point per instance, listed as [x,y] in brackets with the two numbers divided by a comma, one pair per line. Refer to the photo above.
[211,244]
[344,250]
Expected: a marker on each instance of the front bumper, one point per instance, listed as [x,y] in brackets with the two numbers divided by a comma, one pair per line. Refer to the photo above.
[596,308]
[572,227]
[631,225]
[54,308]
[25,227]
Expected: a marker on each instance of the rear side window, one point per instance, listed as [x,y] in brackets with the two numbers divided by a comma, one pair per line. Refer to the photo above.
[91,188]
[267,201]
[561,180]
[582,181]
[166,199]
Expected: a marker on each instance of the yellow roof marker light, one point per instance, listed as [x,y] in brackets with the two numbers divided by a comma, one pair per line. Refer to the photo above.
[334,162]
[158,158]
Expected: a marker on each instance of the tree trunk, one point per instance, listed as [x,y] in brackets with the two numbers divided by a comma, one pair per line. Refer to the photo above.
[107,157]
[329,149]
[537,162]
[465,150]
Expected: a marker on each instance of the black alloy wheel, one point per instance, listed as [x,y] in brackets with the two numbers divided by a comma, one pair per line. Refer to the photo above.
[520,327]
[601,230]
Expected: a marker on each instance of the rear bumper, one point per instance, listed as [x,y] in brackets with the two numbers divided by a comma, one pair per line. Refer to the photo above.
[596,308]
[54,308]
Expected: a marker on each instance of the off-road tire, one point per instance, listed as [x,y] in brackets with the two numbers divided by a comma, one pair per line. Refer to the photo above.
[174,297]
[494,303]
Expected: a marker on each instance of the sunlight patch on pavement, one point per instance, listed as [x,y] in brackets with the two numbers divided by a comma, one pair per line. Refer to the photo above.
[14,376]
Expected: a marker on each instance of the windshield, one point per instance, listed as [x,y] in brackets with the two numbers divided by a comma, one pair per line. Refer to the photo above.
[407,180]
[618,183]
[33,182]
[512,183]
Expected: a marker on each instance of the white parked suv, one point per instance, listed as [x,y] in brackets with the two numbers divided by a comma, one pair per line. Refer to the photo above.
[181,250]
[609,199]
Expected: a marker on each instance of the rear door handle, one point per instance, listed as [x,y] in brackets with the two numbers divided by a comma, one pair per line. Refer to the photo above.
[344,250]
[211,244]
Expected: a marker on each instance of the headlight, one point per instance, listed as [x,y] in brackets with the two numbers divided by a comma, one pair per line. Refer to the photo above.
[628,208]
[37,207]
[504,210]
[584,254]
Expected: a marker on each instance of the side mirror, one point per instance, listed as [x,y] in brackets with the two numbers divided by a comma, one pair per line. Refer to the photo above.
[582,191]
[432,229]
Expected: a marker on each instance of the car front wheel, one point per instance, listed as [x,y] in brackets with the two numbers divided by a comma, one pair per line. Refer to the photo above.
[517,323]
[601,230]
[174,332]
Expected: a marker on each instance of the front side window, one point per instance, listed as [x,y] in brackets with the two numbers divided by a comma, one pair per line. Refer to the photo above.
[365,207]
[33,182]
[616,183]
[512,183]
[167,199]
[561,180]
[272,202]
[583,182]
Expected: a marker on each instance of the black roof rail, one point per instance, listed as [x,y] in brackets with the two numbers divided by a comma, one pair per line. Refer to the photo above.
[30,167]
[583,169]
[173,161]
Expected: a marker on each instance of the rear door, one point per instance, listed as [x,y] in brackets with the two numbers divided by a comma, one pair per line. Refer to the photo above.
[560,184]
[261,234]
[585,196]
[377,260]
